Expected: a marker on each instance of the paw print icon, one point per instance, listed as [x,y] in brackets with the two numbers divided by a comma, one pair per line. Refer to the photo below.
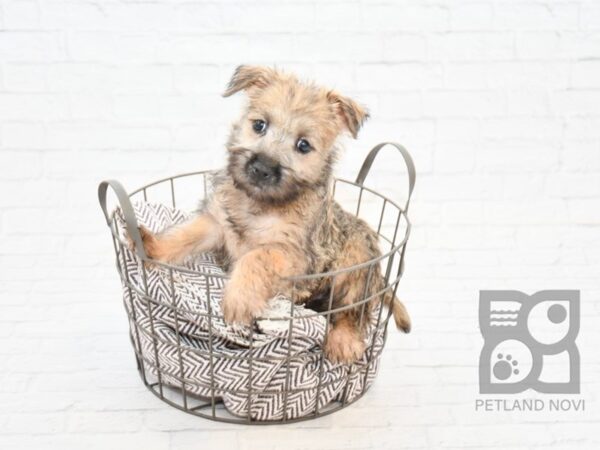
[529,342]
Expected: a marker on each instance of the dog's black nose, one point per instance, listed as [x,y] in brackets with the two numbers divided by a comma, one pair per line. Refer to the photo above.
[263,170]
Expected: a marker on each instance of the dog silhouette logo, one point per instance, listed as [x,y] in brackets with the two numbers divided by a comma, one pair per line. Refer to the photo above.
[529,342]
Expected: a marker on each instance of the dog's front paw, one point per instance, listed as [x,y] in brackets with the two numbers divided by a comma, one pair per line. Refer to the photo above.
[241,304]
[148,240]
[344,345]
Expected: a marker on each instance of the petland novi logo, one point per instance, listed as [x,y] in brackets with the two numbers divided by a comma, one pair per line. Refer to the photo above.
[529,343]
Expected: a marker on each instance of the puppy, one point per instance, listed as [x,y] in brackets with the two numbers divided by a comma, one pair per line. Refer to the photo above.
[271,214]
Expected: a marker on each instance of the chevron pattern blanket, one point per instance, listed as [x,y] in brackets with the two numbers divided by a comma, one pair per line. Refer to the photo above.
[181,332]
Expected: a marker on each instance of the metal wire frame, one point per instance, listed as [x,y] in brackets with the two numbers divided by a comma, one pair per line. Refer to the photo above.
[212,408]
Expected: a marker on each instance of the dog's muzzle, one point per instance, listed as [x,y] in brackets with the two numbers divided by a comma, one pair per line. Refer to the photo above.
[263,170]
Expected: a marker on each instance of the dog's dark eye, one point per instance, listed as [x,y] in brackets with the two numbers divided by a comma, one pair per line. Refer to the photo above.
[303,146]
[259,126]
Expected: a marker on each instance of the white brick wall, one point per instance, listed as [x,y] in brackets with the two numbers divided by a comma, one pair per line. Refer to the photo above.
[499,101]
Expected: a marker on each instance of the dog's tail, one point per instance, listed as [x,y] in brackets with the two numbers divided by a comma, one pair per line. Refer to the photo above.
[399,312]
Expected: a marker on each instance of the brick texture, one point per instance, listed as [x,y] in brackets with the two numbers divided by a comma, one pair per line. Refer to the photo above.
[499,102]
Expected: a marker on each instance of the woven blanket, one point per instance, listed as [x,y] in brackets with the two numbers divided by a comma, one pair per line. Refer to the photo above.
[181,332]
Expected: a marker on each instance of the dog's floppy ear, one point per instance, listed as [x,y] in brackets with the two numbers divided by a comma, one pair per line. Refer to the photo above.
[246,77]
[352,114]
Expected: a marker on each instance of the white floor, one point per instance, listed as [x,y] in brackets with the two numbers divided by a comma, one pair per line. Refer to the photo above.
[73,384]
[498,102]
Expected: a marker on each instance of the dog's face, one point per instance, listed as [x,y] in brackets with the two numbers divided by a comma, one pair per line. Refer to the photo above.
[283,144]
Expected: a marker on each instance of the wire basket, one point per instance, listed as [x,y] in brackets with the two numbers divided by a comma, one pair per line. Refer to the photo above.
[190,375]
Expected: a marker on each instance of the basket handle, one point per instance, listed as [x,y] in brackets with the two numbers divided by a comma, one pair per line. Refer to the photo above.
[410,166]
[128,213]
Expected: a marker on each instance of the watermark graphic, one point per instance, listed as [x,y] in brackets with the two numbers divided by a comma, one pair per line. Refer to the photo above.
[529,342]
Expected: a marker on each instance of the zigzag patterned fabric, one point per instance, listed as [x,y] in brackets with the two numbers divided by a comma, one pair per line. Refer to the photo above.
[181,331]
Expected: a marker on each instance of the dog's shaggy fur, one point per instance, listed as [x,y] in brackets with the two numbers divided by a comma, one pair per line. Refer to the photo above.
[271,215]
